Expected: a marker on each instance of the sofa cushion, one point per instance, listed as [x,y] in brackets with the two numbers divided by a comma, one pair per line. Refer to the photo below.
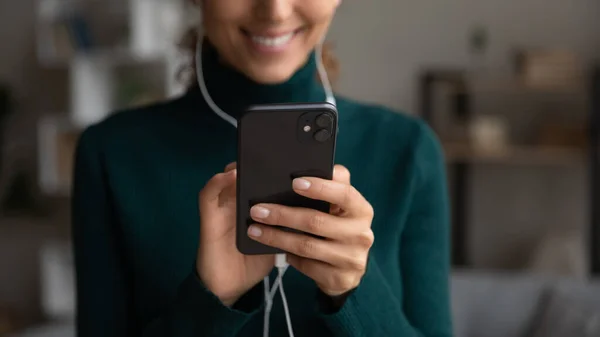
[570,309]
[494,304]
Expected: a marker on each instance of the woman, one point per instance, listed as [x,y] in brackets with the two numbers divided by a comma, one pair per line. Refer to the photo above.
[137,215]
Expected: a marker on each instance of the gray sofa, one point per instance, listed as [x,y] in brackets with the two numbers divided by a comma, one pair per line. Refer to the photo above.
[518,305]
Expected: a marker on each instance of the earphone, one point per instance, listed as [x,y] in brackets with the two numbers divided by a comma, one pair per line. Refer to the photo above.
[280,259]
[330,98]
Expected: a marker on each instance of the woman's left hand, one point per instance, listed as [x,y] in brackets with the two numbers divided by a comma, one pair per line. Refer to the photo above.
[337,261]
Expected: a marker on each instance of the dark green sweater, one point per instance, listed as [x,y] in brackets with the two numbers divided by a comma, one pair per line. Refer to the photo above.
[136,221]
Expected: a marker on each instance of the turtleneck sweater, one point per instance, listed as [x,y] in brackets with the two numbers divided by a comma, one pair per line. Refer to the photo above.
[135,219]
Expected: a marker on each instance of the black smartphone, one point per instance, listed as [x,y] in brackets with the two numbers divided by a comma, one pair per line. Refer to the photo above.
[276,144]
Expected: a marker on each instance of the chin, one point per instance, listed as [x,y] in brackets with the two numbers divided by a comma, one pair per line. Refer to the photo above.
[271,75]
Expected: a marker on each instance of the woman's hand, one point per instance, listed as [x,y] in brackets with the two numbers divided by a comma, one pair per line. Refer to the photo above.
[336,261]
[225,271]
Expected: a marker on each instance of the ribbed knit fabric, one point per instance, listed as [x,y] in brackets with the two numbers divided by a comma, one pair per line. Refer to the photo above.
[136,221]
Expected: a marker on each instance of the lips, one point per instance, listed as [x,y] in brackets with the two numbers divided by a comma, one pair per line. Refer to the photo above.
[271,39]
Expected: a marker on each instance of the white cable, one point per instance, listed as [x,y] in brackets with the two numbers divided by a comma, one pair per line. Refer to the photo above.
[280,259]
[323,73]
[276,286]
[330,97]
[286,309]
[282,265]
[268,306]
[205,94]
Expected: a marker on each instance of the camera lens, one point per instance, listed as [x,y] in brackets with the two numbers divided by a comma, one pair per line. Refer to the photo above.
[324,121]
[322,135]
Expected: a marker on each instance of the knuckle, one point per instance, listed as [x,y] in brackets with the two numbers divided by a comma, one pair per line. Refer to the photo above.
[315,223]
[322,188]
[306,247]
[366,238]
[341,281]
[356,263]
[276,216]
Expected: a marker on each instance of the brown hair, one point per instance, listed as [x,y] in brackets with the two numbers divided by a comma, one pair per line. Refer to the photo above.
[189,41]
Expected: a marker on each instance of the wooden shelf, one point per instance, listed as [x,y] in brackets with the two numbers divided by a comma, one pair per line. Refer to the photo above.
[115,56]
[496,84]
[515,155]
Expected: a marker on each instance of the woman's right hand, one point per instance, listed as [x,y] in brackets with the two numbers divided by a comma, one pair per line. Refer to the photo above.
[225,271]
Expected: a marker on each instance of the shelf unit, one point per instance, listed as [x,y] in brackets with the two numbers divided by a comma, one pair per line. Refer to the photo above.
[93,39]
[594,153]
[117,54]
[515,155]
[461,156]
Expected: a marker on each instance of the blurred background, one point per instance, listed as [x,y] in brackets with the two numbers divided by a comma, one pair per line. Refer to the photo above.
[511,87]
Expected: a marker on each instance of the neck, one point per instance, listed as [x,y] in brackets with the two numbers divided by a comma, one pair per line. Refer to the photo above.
[233,92]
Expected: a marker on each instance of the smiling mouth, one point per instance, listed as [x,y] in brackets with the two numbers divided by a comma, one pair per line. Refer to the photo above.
[271,41]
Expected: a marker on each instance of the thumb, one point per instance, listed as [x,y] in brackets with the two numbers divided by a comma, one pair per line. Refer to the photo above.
[230,166]
[209,196]
[341,174]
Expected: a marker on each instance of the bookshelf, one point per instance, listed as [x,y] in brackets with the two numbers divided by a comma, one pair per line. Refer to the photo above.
[116,54]
[544,125]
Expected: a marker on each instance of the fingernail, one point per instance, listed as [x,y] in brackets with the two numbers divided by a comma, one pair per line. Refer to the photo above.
[254,231]
[301,184]
[259,212]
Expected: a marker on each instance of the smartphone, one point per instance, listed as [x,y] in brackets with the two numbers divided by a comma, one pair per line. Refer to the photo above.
[276,144]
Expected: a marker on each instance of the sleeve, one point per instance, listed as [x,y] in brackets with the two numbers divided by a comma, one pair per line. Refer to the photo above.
[374,308]
[104,288]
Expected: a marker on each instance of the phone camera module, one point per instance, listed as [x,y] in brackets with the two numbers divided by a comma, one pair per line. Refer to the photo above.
[324,121]
[322,135]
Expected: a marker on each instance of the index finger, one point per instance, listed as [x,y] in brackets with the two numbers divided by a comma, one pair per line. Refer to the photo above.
[334,192]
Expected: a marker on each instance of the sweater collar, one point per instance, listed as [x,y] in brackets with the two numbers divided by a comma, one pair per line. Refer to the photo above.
[233,92]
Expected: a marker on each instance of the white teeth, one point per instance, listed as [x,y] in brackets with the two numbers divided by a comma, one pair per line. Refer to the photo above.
[273,42]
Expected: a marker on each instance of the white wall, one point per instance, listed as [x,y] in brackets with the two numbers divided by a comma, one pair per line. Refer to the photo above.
[382,46]
[383,43]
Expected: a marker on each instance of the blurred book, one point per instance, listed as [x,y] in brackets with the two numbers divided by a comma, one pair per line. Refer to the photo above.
[549,68]
[558,133]
[70,35]
[80,33]
[63,47]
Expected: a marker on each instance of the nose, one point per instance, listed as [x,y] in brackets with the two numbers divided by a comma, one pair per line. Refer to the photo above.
[274,10]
